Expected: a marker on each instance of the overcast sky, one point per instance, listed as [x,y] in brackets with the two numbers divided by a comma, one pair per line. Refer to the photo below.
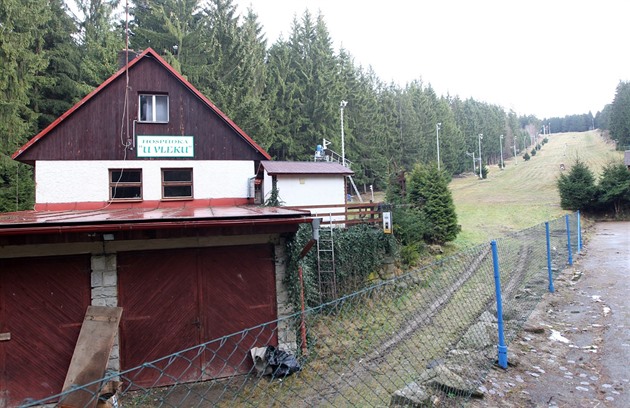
[542,57]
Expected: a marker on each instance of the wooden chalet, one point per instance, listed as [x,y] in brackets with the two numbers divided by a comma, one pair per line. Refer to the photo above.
[144,200]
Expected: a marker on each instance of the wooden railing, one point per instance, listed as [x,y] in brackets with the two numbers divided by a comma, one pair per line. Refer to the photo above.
[346,214]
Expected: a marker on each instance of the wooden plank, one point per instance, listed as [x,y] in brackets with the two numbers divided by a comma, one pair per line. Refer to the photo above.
[91,355]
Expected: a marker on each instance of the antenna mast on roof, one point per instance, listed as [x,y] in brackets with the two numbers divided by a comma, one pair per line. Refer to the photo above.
[126,114]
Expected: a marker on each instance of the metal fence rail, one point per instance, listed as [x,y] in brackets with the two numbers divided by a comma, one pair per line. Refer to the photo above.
[428,336]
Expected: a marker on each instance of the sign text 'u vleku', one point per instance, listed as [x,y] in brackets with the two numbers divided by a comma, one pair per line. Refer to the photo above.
[165,146]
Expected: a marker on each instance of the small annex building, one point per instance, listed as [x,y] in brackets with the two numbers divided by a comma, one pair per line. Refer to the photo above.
[144,200]
[317,186]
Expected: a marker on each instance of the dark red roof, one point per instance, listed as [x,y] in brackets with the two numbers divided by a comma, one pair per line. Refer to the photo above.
[28,222]
[290,167]
[148,52]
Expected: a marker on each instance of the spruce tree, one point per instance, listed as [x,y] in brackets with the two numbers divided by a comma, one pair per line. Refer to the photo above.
[614,187]
[57,88]
[428,191]
[620,116]
[282,97]
[577,188]
[100,41]
[173,29]
[21,61]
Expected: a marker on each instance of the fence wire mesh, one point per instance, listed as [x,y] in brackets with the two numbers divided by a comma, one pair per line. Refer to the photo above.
[426,337]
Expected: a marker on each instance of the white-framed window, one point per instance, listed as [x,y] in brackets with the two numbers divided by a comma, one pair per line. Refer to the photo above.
[177,184]
[125,184]
[153,108]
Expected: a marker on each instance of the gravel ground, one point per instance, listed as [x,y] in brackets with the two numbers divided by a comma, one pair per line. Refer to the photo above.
[575,348]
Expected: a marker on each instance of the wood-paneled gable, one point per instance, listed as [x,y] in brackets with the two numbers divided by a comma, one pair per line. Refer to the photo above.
[94,129]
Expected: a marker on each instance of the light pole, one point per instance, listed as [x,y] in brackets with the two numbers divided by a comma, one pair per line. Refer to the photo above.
[501,151]
[480,162]
[342,105]
[515,160]
[437,141]
[474,161]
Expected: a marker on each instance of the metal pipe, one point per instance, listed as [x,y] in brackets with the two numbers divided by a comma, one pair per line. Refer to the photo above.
[515,160]
[570,260]
[343,144]
[502,348]
[551,288]
[501,152]
[437,141]
[480,162]
[303,314]
[579,232]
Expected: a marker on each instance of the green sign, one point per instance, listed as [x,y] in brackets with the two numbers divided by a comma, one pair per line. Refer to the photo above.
[165,146]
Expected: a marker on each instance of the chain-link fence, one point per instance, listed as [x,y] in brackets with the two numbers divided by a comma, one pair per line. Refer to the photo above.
[426,337]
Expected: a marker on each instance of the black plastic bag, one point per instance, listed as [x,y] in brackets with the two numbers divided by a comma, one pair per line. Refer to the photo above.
[281,362]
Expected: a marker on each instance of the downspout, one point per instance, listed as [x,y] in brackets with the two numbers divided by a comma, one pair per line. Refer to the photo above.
[315,224]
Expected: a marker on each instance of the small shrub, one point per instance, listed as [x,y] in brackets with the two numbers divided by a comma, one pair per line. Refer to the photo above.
[526,156]
[410,254]
[533,152]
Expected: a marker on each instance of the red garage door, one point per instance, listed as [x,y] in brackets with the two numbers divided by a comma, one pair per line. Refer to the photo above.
[176,299]
[42,306]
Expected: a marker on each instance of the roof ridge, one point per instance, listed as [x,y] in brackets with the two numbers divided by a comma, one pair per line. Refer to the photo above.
[147,52]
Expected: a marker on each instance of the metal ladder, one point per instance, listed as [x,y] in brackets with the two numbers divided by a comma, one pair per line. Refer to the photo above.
[356,190]
[326,263]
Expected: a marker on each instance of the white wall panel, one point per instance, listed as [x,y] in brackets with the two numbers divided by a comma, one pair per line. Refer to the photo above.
[87,181]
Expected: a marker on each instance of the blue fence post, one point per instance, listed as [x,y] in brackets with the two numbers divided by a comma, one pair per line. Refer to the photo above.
[566,217]
[551,289]
[497,284]
[579,232]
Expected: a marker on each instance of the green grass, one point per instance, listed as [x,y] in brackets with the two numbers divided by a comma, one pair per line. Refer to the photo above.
[524,194]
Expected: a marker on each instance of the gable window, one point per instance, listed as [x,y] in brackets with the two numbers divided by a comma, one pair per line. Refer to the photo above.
[177,183]
[125,184]
[153,108]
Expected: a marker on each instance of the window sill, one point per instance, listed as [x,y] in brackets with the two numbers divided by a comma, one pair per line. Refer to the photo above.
[126,200]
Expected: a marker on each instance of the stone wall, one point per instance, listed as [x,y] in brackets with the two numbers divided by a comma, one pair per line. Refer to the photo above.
[105,293]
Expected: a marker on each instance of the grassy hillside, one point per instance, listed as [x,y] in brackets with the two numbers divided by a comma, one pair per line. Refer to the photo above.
[524,193]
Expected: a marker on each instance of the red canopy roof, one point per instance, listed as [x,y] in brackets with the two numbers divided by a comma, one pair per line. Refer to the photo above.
[29,222]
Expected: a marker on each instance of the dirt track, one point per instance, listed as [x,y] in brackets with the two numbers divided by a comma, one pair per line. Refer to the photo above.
[575,351]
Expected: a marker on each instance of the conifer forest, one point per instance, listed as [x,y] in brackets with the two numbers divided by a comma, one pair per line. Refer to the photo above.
[286,95]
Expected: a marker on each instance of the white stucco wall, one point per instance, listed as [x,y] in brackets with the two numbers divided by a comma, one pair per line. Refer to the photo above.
[308,189]
[88,181]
